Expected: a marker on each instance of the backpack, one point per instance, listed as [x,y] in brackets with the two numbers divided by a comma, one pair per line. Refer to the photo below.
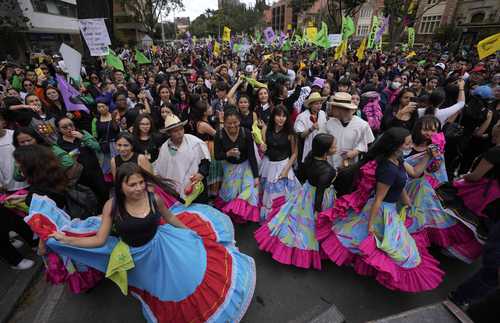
[81,202]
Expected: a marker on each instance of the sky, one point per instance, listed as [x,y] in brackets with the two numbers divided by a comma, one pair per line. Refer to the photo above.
[194,8]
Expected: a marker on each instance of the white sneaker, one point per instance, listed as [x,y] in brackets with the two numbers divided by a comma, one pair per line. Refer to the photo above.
[24,264]
[16,243]
[12,234]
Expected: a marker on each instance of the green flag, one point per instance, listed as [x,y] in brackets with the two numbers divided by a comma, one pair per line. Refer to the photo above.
[258,36]
[286,46]
[347,27]
[254,83]
[313,56]
[298,39]
[373,31]
[236,48]
[16,83]
[321,39]
[141,58]
[114,61]
[411,37]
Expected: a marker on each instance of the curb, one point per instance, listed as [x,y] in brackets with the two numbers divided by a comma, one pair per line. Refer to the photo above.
[16,291]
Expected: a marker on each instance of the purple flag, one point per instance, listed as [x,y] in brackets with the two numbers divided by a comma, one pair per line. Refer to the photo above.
[269,34]
[381,30]
[70,95]
[282,38]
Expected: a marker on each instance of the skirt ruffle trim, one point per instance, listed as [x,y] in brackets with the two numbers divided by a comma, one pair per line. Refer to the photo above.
[285,254]
[239,210]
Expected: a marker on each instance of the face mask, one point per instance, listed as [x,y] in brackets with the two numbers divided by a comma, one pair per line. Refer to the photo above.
[406,152]
[395,85]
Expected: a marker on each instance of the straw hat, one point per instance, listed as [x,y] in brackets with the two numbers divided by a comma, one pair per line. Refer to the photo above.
[314,97]
[172,121]
[342,100]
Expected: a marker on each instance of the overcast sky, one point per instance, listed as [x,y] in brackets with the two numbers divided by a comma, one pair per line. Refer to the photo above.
[194,8]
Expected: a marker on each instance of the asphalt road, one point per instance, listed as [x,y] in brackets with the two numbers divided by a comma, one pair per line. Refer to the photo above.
[283,294]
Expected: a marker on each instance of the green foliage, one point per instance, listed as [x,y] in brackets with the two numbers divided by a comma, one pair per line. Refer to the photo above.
[12,17]
[237,17]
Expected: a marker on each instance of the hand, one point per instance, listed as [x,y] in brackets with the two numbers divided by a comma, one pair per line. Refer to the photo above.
[235,152]
[489,115]
[196,178]
[141,95]
[283,174]
[42,250]
[256,182]
[263,147]
[408,108]
[315,126]
[350,154]
[461,84]
[77,134]
[35,108]
[59,236]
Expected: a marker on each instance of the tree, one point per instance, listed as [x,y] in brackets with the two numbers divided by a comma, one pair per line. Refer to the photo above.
[148,12]
[12,17]
[399,17]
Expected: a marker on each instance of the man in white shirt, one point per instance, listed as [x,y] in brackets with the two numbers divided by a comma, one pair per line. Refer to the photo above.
[352,133]
[183,158]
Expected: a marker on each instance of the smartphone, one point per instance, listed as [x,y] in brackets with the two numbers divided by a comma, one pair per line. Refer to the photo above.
[414,99]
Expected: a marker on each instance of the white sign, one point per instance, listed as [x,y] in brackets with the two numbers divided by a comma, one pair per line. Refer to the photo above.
[96,35]
[72,61]
[334,39]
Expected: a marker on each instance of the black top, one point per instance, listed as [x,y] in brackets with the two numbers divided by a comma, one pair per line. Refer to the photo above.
[393,175]
[264,115]
[136,231]
[202,136]
[278,146]
[320,174]
[493,156]
[119,161]
[389,120]
[106,132]
[244,143]
[86,156]
[246,120]
[150,147]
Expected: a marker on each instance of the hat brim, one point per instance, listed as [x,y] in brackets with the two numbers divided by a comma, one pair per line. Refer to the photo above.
[175,125]
[309,101]
[348,106]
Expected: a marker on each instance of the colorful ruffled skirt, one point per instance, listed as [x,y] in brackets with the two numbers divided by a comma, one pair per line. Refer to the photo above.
[238,195]
[396,259]
[430,217]
[275,191]
[195,275]
[477,195]
[289,234]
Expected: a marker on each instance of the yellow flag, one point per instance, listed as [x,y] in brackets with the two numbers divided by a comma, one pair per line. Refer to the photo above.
[411,54]
[360,53]
[341,49]
[226,35]
[154,49]
[488,46]
[216,49]
[311,33]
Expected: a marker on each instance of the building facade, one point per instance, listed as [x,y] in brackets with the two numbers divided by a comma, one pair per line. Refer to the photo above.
[126,28]
[477,19]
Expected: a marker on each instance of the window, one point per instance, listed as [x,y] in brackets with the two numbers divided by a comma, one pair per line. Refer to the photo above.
[365,12]
[477,18]
[428,24]
[363,30]
[431,1]
[54,7]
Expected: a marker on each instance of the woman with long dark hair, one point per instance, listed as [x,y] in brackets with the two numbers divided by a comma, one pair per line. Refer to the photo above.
[42,122]
[148,140]
[376,239]
[127,152]
[402,113]
[185,266]
[290,234]
[278,181]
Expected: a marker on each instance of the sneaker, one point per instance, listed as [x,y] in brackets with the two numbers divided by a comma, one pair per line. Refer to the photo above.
[16,243]
[24,264]
[12,234]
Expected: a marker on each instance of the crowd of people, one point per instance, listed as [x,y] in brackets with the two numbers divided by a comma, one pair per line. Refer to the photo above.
[361,162]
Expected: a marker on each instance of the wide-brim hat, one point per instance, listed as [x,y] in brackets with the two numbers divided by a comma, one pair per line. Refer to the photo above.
[314,97]
[342,100]
[172,122]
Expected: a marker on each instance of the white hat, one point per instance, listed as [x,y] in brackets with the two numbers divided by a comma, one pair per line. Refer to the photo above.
[249,68]
[314,97]
[441,66]
[342,100]
[172,121]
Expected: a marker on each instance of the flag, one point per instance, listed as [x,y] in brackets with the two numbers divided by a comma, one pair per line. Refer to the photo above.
[340,50]
[216,48]
[69,95]
[321,39]
[311,33]
[254,83]
[488,46]
[286,46]
[347,27]
[313,56]
[114,61]
[282,38]
[269,34]
[237,48]
[411,37]
[373,31]
[16,83]
[411,54]
[141,58]
[360,53]
[299,39]
[226,34]
[380,31]
[258,36]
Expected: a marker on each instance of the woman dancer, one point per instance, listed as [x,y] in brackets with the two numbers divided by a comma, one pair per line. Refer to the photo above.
[239,193]
[182,264]
[125,145]
[278,181]
[290,234]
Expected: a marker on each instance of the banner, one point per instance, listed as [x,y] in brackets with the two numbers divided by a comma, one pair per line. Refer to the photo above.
[488,46]
[334,39]
[72,61]
[311,33]
[411,37]
[341,50]
[269,35]
[347,27]
[216,48]
[96,35]
[321,39]
[226,34]
[380,31]
[373,31]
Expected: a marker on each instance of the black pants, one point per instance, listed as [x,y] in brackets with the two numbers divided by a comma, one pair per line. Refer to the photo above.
[485,281]
[10,221]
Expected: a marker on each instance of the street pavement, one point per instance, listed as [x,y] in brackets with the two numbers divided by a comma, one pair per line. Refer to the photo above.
[283,294]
